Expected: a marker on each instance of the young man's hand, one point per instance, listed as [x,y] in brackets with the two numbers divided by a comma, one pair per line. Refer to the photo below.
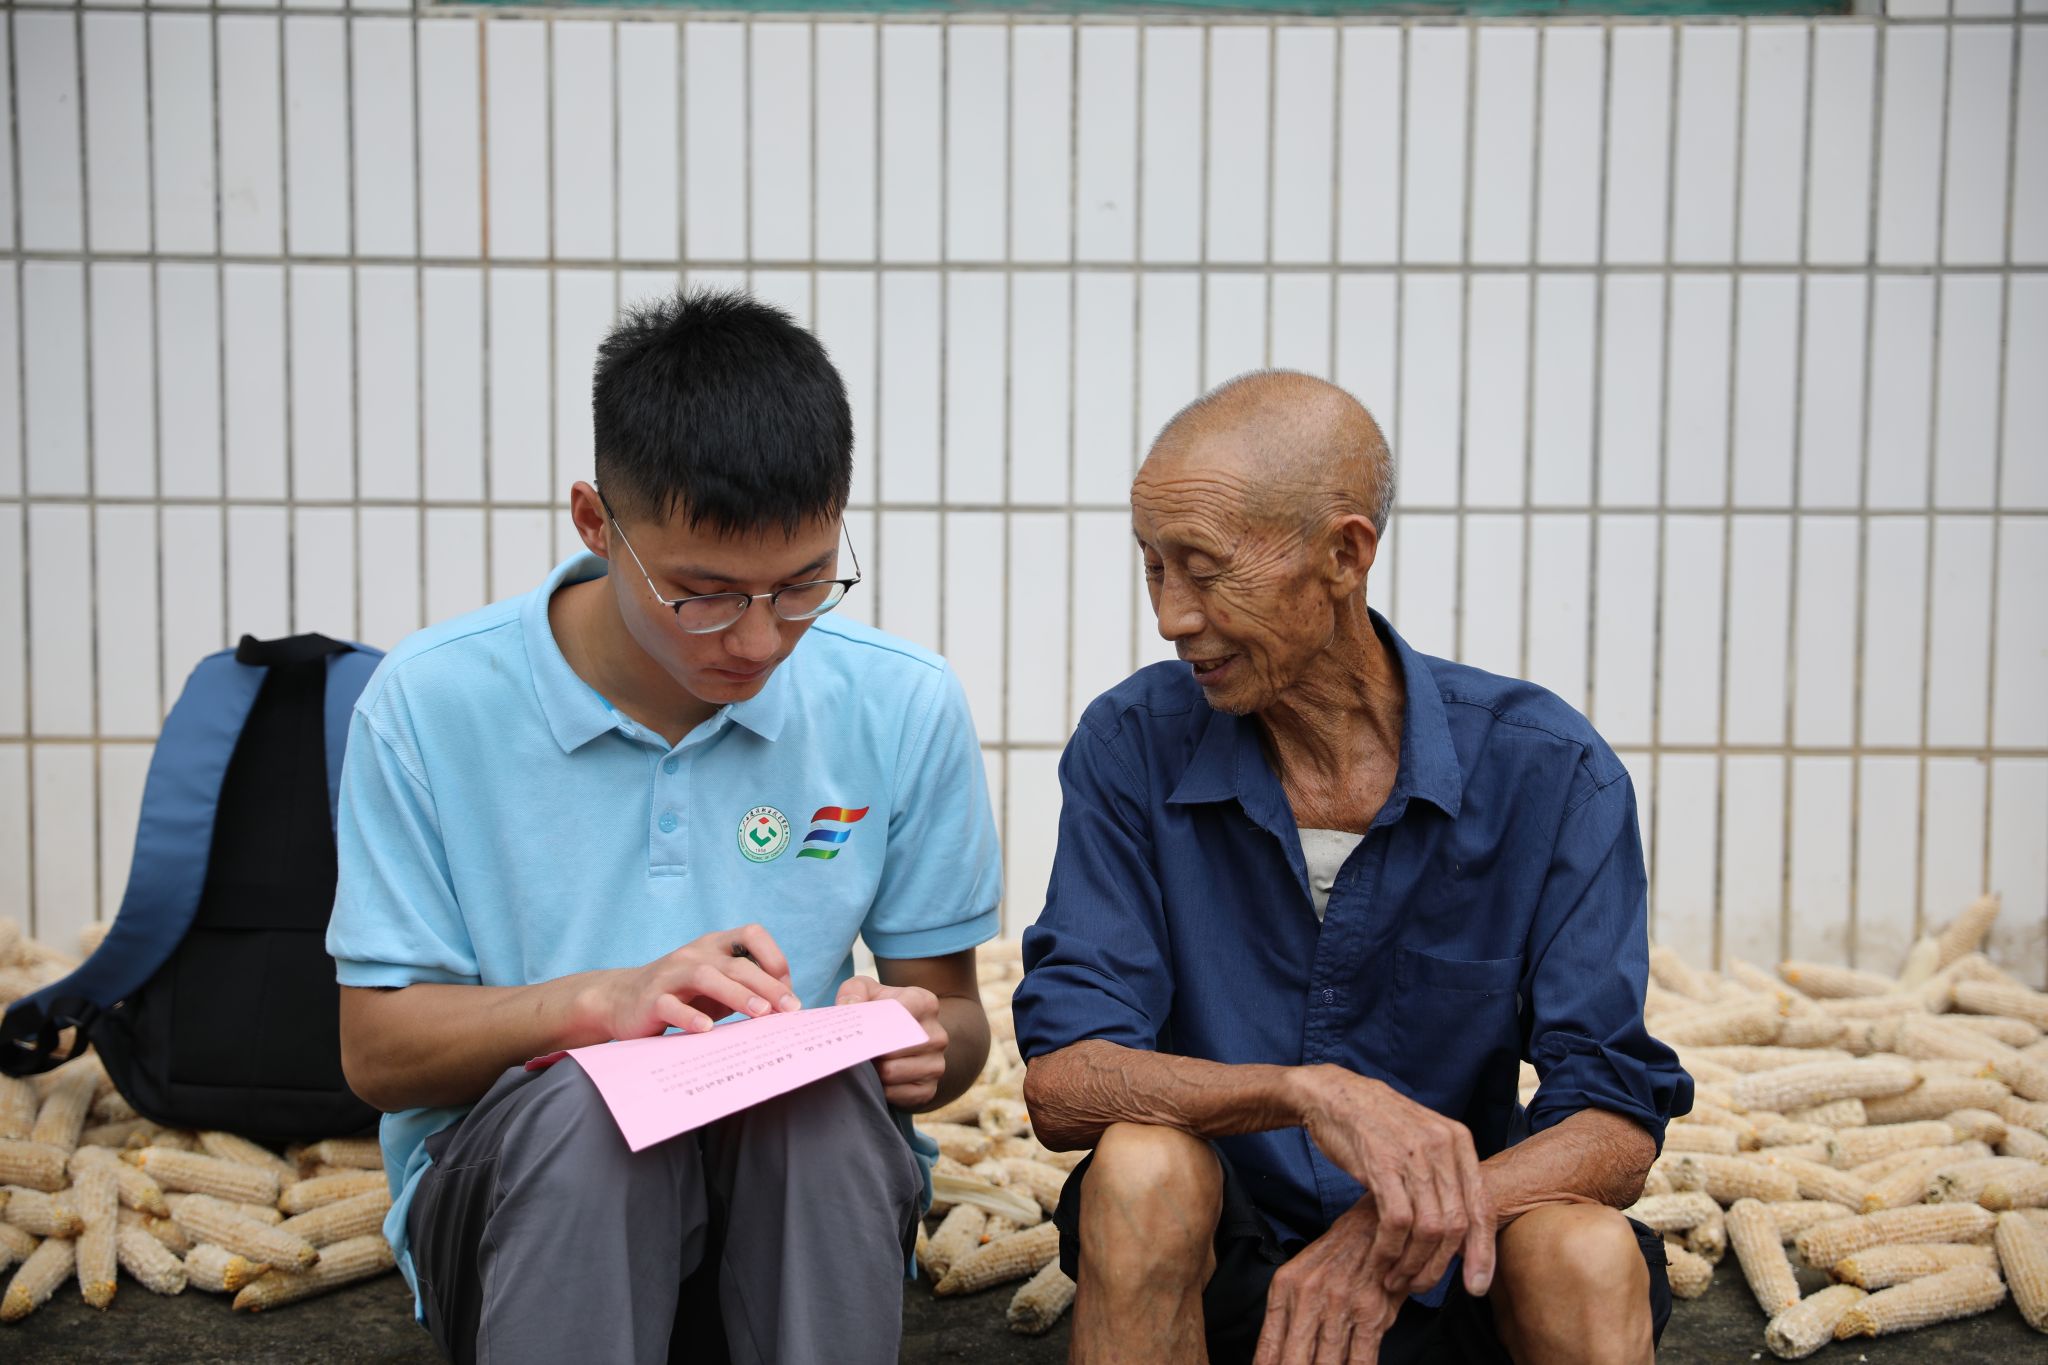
[910,1078]
[694,986]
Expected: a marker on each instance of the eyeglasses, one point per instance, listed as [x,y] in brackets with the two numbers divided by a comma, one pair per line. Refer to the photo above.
[711,612]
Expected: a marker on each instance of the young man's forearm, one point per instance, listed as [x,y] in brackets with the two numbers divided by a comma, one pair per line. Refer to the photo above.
[429,1044]
[967,1044]
[1078,1091]
[1592,1157]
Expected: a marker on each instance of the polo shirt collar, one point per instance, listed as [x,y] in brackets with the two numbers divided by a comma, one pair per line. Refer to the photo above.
[576,713]
[1229,764]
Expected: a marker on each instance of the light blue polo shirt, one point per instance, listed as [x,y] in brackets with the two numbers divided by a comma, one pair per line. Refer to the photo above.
[500,824]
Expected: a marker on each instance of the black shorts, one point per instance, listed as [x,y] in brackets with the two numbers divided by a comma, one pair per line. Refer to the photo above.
[1460,1332]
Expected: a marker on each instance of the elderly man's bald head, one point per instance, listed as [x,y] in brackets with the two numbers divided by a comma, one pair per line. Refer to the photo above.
[1308,449]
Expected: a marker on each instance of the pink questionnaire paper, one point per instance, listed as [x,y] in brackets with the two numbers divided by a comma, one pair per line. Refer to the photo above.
[659,1087]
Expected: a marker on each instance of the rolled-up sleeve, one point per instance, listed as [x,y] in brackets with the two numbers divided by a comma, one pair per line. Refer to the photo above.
[1095,962]
[1588,968]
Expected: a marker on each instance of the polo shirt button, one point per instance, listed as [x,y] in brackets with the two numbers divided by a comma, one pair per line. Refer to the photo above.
[669,765]
[668,822]
[1329,997]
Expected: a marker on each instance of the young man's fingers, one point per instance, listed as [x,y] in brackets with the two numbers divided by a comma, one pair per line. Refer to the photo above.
[676,1014]
[708,983]
[761,947]
[771,992]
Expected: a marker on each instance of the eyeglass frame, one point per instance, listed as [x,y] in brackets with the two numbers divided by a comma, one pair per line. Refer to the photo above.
[675,604]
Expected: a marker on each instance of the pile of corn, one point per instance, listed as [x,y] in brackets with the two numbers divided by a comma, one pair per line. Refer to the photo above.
[1891,1131]
[88,1187]
[994,1186]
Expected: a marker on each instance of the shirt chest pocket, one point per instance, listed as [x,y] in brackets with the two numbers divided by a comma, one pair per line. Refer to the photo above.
[1457,1025]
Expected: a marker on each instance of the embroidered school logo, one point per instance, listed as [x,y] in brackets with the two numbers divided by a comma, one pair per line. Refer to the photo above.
[764,833]
[825,838]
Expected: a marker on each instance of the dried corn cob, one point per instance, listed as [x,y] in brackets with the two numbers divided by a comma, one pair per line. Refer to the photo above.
[1799,1151]
[997,1228]
[1709,1237]
[1802,1086]
[2024,1142]
[1755,978]
[1855,1146]
[329,1189]
[2019,1113]
[1952,1294]
[1017,1256]
[1786,1133]
[965,1145]
[343,1263]
[991,1170]
[15,1245]
[1698,1137]
[1038,1304]
[1794,1216]
[1668,1213]
[32,1165]
[1807,1326]
[1753,1236]
[172,1139]
[1963,1181]
[1849,1009]
[18,1107]
[266,1214]
[1744,1021]
[229,1147]
[2023,1257]
[134,1187]
[1883,1166]
[1935,1098]
[1907,1183]
[959,1233]
[1927,1038]
[47,1267]
[220,1271]
[197,1173]
[2015,1033]
[126,1133]
[62,1117]
[1811,1030]
[97,1261]
[1749,1060]
[1655,1183]
[148,1262]
[48,1082]
[2026,1189]
[1826,1183]
[1965,934]
[1825,981]
[1672,972]
[341,1220]
[1729,1178]
[965,1108]
[2026,1076]
[1031,1149]
[1041,1182]
[207,1219]
[1845,1113]
[112,1107]
[362,1154]
[1822,1246]
[164,1230]
[1705,1070]
[1005,1118]
[1882,1267]
[45,1215]
[1688,1272]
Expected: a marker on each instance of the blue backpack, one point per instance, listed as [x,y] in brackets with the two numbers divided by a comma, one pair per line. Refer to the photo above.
[212,999]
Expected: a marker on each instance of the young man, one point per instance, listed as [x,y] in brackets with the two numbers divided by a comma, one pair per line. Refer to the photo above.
[662,788]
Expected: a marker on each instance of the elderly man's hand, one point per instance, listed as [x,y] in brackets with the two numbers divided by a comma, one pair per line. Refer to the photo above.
[1326,1305]
[1419,1167]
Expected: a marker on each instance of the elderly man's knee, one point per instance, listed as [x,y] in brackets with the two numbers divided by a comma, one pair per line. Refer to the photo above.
[1576,1283]
[1151,1194]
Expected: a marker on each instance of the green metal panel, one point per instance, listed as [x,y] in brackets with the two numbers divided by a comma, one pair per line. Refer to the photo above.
[1324,8]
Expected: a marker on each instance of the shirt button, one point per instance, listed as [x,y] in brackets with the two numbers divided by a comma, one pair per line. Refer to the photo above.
[669,765]
[1329,997]
[668,822]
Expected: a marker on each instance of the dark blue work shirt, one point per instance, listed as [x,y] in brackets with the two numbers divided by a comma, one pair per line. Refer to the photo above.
[1494,912]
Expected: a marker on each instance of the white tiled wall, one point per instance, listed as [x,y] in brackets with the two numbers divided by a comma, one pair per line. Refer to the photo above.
[1713,355]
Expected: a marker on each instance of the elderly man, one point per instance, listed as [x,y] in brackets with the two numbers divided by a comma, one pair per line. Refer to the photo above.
[1316,895]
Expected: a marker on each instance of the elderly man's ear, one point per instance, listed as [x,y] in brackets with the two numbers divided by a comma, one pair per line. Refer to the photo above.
[1352,546]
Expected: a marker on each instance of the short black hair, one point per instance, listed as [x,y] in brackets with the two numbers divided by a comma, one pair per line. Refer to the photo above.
[716,405]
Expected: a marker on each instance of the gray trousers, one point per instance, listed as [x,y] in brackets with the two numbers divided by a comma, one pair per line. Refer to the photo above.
[537,1236]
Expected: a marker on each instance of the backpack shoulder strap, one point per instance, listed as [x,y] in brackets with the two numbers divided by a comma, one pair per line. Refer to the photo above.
[347,674]
[172,840]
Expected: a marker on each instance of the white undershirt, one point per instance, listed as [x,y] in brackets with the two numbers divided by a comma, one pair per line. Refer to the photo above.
[1324,850]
